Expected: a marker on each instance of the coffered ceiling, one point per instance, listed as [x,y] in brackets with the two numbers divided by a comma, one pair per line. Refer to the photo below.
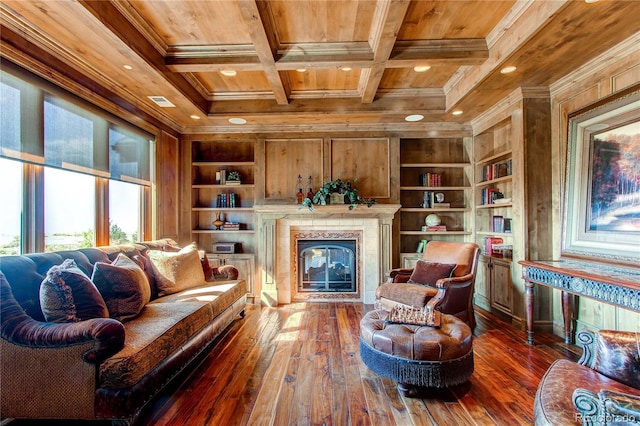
[307,65]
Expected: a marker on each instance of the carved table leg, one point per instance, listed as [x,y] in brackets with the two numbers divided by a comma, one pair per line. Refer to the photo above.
[529,296]
[567,316]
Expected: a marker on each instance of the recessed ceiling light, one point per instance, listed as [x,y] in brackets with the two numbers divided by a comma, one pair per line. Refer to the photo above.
[127,67]
[195,117]
[237,120]
[414,117]
[228,72]
[422,68]
[590,1]
[457,112]
[301,70]
[507,70]
[345,68]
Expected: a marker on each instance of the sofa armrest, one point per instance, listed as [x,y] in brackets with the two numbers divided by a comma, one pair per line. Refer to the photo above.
[616,407]
[445,285]
[106,334]
[615,354]
[225,272]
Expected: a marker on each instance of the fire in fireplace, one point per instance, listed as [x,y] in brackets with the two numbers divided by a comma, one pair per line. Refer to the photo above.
[326,266]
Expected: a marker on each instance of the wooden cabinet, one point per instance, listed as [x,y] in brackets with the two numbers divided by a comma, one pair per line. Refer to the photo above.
[431,166]
[246,265]
[512,199]
[212,197]
[494,288]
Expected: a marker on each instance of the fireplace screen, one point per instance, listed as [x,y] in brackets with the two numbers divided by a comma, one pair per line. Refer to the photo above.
[326,266]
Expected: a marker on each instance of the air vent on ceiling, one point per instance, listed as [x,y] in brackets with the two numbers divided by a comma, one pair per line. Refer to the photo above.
[161,101]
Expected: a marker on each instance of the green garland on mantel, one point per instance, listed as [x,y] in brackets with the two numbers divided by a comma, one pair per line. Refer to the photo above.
[337,186]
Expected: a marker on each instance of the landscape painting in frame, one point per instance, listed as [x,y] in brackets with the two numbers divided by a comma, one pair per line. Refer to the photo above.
[601,209]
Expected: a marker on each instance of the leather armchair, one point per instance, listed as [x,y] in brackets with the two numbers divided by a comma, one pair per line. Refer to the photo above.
[450,295]
[602,388]
[617,356]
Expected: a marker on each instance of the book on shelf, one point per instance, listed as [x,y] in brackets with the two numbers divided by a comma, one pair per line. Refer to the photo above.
[430,179]
[497,170]
[441,205]
[507,225]
[497,223]
[502,250]
[437,228]
[487,245]
[489,195]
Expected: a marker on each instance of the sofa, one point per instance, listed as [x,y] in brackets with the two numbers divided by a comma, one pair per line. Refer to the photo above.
[603,387]
[96,333]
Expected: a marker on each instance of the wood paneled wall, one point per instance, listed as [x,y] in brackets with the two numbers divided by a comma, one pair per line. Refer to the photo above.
[167,186]
[615,70]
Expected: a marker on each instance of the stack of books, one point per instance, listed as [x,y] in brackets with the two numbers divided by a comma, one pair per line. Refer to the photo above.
[488,243]
[231,226]
[430,179]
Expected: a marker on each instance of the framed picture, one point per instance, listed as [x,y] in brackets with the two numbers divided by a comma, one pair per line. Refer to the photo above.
[601,206]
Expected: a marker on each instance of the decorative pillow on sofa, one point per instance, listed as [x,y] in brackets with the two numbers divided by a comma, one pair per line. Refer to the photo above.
[177,271]
[123,285]
[427,273]
[68,295]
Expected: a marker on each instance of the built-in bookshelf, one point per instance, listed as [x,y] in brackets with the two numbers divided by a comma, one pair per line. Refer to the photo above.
[435,180]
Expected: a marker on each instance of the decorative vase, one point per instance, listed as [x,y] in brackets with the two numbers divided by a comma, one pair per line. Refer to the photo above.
[218,222]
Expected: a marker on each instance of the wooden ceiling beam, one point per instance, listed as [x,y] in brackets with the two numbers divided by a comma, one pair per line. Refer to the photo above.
[115,22]
[427,52]
[385,105]
[258,19]
[386,24]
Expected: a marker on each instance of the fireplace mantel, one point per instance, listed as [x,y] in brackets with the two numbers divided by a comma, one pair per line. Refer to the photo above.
[276,222]
[338,210]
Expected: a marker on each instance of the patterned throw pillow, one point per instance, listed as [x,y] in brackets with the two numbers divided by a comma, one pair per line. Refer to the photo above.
[177,271]
[427,273]
[123,285]
[68,295]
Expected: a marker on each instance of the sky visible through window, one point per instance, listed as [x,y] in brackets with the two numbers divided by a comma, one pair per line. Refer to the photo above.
[69,204]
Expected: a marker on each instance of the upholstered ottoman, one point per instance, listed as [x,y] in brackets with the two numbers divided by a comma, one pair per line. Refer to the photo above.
[415,355]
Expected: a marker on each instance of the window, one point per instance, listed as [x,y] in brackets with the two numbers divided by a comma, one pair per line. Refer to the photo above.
[11,211]
[57,152]
[124,212]
[70,210]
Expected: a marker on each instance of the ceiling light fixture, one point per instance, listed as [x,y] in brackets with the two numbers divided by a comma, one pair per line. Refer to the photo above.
[237,120]
[195,117]
[127,67]
[590,1]
[457,112]
[422,68]
[345,68]
[414,117]
[228,72]
[301,70]
[507,70]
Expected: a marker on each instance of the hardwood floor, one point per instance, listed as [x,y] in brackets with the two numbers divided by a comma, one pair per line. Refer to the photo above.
[299,364]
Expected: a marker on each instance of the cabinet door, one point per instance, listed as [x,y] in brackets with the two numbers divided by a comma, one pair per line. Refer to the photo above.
[501,287]
[482,284]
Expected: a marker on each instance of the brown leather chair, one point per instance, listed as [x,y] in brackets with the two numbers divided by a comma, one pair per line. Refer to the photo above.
[452,268]
[602,388]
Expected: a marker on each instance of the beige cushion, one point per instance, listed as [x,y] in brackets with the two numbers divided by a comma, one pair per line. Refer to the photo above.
[177,271]
[123,285]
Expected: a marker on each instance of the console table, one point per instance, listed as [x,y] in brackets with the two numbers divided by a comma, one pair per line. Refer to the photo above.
[617,286]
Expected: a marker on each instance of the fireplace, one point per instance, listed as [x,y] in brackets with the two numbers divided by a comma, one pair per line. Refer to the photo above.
[326,266]
[281,227]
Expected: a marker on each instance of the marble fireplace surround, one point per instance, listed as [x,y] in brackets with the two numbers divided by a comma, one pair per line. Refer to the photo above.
[277,226]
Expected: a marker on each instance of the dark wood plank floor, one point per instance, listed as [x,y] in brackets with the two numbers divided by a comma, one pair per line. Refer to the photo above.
[299,364]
